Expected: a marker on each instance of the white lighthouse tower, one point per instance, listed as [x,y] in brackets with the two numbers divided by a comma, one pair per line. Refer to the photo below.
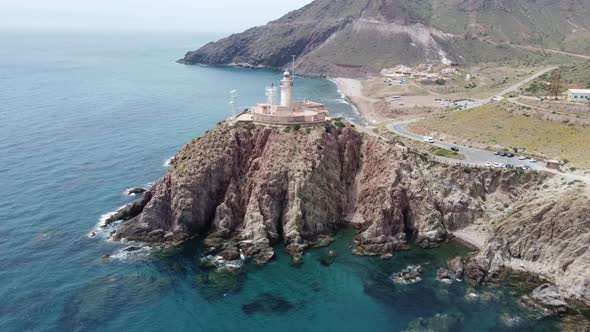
[286,90]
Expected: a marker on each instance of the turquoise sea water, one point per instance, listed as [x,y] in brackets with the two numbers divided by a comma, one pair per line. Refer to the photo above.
[85,116]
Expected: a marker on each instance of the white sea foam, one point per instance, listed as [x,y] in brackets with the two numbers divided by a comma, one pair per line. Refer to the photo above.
[123,254]
[168,162]
[101,229]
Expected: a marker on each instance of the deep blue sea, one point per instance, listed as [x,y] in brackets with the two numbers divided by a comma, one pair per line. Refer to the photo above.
[83,117]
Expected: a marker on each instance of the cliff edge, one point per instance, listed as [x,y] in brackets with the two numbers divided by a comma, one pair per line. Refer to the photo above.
[247,188]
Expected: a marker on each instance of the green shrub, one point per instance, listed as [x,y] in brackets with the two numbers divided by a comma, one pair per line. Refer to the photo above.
[296,127]
[339,124]
[467,170]
[308,131]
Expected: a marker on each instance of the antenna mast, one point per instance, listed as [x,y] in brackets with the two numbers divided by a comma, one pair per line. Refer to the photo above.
[270,94]
[293,67]
[233,102]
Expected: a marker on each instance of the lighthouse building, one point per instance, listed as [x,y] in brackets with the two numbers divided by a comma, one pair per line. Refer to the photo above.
[288,112]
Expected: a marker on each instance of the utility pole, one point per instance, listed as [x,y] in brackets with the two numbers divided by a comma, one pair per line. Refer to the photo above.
[293,66]
[555,84]
[233,102]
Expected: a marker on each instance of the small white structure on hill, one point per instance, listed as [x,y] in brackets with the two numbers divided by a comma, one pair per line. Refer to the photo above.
[578,95]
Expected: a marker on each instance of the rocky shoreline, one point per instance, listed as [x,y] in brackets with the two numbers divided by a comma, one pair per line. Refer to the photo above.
[245,188]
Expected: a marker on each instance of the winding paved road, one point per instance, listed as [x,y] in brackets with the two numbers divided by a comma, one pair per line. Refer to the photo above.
[510,89]
[477,157]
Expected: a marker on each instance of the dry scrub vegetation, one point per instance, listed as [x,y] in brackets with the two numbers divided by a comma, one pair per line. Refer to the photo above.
[498,127]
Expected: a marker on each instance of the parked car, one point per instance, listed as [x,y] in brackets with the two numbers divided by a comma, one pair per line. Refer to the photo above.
[522,158]
[488,164]
[509,166]
[454,148]
[510,155]
[497,153]
[428,139]
[503,154]
[532,160]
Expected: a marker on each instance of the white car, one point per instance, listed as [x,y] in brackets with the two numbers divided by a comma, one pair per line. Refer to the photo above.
[499,165]
[532,160]
[522,158]
[488,164]
[428,139]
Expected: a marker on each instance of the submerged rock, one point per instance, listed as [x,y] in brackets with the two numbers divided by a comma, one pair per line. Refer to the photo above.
[328,258]
[510,321]
[297,261]
[437,323]
[574,323]
[132,249]
[545,300]
[456,267]
[268,303]
[217,283]
[444,275]
[211,262]
[410,275]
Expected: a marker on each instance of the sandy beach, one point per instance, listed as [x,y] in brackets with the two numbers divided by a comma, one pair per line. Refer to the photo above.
[353,90]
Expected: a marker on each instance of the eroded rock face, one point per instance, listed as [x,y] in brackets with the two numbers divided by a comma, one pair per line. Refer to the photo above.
[402,197]
[546,300]
[247,188]
[456,266]
[547,235]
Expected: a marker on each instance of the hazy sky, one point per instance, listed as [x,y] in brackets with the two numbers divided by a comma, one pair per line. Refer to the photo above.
[165,15]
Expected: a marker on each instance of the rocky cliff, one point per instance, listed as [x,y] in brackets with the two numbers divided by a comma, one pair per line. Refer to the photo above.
[251,187]
[247,188]
[548,235]
[359,37]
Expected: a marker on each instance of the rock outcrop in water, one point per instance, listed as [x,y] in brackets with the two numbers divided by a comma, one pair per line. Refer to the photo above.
[247,188]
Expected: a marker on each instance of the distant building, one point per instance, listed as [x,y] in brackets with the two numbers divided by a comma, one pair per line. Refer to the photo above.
[449,71]
[288,112]
[397,71]
[578,95]
[553,164]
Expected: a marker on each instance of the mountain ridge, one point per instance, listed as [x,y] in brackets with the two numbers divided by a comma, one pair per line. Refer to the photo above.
[359,37]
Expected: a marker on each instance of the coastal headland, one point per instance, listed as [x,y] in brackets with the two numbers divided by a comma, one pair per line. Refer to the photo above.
[247,187]
[294,176]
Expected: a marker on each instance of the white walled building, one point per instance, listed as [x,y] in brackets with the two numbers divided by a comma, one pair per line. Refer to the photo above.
[578,95]
[288,112]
